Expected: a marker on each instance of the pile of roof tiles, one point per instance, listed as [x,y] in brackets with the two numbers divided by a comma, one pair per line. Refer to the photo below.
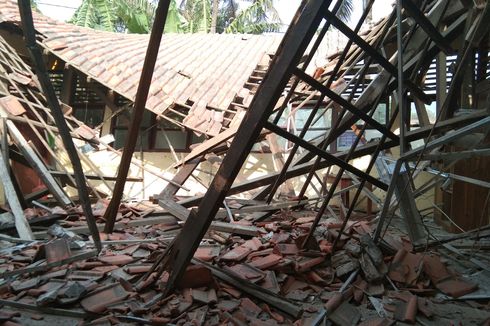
[357,283]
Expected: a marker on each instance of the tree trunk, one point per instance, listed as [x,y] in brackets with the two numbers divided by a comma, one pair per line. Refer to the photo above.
[214,17]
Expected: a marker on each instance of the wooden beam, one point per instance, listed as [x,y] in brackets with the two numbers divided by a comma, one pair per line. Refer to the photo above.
[38,165]
[67,86]
[327,156]
[21,224]
[57,113]
[427,26]
[139,109]
[293,46]
[303,167]
[180,177]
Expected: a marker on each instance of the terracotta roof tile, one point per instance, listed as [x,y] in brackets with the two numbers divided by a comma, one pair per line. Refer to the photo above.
[207,69]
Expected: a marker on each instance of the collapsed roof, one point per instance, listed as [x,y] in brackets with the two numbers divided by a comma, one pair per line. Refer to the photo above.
[202,73]
[340,259]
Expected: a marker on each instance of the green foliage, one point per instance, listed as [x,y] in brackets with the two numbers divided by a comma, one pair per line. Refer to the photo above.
[133,15]
[258,18]
[98,14]
[111,15]
[226,14]
[193,16]
[197,15]
[34,6]
[175,22]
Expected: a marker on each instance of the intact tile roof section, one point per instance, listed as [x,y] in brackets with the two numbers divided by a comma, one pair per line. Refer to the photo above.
[208,70]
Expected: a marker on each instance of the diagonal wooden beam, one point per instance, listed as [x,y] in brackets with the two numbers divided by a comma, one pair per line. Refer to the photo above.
[346,104]
[139,109]
[371,51]
[47,87]
[293,46]
[427,26]
[326,156]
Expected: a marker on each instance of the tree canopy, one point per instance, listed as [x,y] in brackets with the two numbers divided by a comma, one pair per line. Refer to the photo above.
[189,16]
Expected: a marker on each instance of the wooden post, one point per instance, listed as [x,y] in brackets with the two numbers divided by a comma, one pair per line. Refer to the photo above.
[67,86]
[21,224]
[38,165]
[48,90]
[139,109]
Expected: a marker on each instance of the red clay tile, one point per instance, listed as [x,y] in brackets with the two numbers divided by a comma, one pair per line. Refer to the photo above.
[37,317]
[435,269]
[249,308]
[6,315]
[407,311]
[138,269]
[88,264]
[12,105]
[280,237]
[104,269]
[237,254]
[264,252]
[204,296]
[334,302]
[254,244]
[270,282]
[10,323]
[303,220]
[286,249]
[247,272]
[267,261]
[405,267]
[359,289]
[424,306]
[207,253]
[313,277]
[98,301]
[116,259]
[230,290]
[377,322]
[196,276]
[456,287]
[308,263]
[57,250]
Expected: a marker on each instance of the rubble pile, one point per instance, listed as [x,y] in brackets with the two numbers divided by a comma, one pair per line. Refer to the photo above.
[358,282]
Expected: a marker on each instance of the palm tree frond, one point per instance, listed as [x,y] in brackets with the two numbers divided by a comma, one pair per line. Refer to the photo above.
[260,17]
[345,10]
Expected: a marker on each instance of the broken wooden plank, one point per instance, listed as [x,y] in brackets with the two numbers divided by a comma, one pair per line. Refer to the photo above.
[94,177]
[210,144]
[41,220]
[25,11]
[254,290]
[38,165]
[44,267]
[53,311]
[164,219]
[182,214]
[180,177]
[21,224]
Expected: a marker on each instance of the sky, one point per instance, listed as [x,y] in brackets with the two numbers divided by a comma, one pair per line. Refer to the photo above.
[63,10]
